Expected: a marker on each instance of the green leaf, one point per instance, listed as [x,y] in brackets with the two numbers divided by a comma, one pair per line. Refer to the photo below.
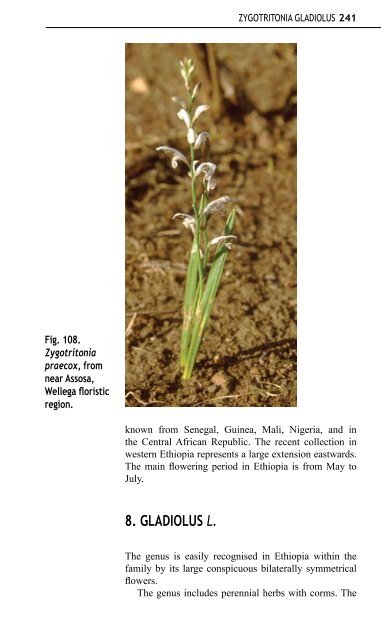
[190,295]
[205,305]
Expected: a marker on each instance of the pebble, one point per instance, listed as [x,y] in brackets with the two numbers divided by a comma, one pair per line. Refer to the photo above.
[139,85]
[223,380]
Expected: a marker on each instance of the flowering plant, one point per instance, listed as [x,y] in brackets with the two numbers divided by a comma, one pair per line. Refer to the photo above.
[207,256]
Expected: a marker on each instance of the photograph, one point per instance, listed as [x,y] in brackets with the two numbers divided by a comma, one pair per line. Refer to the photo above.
[210,232]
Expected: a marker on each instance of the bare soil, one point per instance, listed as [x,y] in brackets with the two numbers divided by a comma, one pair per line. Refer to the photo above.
[248,357]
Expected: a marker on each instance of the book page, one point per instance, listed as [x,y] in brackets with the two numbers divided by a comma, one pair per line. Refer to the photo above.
[190,263]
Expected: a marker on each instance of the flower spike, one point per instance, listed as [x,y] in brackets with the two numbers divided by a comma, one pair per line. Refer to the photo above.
[205,267]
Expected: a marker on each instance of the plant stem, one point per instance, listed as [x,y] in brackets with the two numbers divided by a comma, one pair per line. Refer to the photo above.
[197,217]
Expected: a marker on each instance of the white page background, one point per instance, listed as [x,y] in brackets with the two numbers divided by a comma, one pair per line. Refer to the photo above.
[62,264]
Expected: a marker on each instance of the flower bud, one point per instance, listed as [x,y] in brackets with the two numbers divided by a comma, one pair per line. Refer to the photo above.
[191,137]
[200,109]
[196,90]
[184,115]
[202,138]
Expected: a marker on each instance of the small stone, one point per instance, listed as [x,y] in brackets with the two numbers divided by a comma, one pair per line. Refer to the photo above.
[255,122]
[219,379]
[139,85]
[224,381]
[264,140]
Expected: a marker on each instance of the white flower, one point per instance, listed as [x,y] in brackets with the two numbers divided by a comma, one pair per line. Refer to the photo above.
[177,155]
[188,221]
[208,169]
[224,240]
[191,137]
[184,115]
[217,206]
[199,111]
[201,139]
[179,101]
